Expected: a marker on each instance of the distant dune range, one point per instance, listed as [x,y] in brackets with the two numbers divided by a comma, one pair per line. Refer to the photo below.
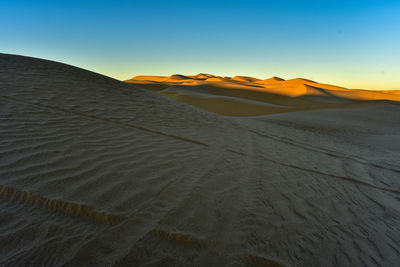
[247,96]
[99,172]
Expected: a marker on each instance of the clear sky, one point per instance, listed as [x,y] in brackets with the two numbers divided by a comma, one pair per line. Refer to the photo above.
[353,43]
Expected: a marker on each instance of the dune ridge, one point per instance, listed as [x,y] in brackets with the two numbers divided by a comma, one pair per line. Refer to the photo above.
[228,96]
[99,172]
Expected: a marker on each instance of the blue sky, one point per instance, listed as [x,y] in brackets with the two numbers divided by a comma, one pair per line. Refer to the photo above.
[353,43]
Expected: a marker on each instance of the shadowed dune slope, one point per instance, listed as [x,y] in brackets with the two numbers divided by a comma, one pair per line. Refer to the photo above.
[98,172]
[229,96]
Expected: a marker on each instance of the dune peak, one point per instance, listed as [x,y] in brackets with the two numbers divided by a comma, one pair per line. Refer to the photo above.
[276,79]
[178,77]
[204,76]
[302,80]
[245,79]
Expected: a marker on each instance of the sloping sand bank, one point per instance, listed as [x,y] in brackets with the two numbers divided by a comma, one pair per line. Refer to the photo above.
[97,172]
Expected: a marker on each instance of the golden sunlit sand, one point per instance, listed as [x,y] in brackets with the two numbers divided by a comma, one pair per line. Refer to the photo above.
[247,96]
[194,170]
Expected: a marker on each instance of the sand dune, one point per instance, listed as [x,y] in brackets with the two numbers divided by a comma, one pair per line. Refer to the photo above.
[271,80]
[303,94]
[98,172]
[245,79]
[203,76]
[150,78]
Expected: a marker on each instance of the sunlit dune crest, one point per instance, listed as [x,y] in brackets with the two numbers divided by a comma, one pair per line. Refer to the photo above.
[248,96]
[202,76]
[271,80]
[149,78]
[245,79]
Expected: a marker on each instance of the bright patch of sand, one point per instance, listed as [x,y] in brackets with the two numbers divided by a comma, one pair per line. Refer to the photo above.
[227,96]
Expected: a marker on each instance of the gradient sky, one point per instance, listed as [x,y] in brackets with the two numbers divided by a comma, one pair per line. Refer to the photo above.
[352,43]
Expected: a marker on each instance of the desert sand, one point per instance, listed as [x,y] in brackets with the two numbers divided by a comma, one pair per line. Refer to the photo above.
[194,170]
[230,96]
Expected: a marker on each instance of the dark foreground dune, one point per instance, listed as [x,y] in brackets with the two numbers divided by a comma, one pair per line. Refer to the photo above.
[97,172]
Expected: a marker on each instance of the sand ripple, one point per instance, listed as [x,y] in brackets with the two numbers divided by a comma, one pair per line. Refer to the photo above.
[95,172]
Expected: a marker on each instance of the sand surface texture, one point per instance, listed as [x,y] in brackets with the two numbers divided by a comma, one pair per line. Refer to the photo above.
[98,172]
